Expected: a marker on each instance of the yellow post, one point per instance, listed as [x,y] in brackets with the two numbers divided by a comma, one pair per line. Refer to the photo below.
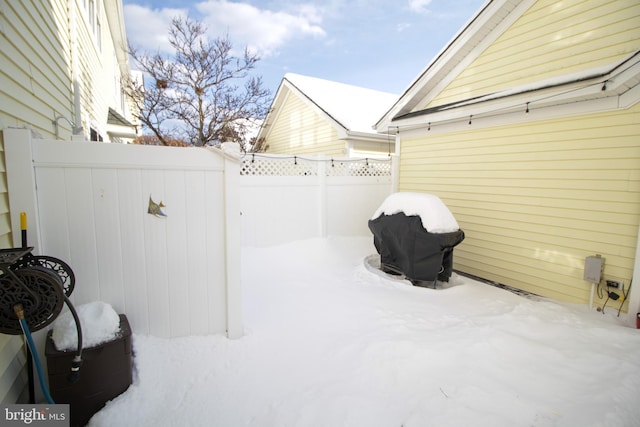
[23,220]
[23,228]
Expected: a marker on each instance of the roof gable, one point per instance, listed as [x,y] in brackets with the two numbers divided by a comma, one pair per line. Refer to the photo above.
[491,20]
[349,109]
[529,51]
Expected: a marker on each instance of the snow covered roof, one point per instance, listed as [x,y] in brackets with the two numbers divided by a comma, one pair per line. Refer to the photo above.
[354,108]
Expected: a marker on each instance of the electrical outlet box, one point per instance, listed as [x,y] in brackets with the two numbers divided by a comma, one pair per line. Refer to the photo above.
[593,266]
[613,284]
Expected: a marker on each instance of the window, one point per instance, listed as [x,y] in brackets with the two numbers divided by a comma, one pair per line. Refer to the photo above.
[98,33]
[92,13]
[95,136]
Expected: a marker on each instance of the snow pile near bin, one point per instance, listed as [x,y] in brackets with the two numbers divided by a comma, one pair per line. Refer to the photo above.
[100,324]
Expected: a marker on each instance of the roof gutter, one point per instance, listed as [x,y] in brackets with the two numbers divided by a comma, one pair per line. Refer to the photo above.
[612,81]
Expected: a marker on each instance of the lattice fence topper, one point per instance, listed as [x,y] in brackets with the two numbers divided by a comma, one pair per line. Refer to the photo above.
[253,164]
[359,167]
[271,165]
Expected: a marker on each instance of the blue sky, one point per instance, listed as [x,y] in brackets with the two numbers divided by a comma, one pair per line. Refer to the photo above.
[377,44]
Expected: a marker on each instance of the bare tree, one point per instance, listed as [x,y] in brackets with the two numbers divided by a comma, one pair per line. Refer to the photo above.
[201,94]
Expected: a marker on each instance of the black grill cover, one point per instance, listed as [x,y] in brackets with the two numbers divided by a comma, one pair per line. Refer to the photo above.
[405,247]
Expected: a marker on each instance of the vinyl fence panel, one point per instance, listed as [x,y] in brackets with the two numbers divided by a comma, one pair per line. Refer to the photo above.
[170,272]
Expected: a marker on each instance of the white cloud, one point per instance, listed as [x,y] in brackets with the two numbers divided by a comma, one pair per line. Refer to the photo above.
[147,29]
[419,5]
[262,30]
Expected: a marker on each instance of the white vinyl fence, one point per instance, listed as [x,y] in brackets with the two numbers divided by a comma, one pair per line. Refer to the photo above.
[175,271]
[286,198]
[173,275]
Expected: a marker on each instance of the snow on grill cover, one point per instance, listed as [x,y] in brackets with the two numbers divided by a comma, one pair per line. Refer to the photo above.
[415,234]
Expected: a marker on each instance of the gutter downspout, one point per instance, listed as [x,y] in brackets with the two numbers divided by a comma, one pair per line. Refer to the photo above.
[78,132]
[395,164]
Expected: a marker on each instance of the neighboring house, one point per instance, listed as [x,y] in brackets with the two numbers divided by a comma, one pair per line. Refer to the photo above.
[528,126]
[61,62]
[311,116]
[62,66]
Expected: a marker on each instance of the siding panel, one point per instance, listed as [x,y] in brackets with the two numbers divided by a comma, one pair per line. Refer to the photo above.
[551,39]
[34,79]
[12,377]
[35,88]
[301,130]
[535,199]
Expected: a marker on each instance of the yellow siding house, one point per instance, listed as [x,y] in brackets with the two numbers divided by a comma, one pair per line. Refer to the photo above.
[60,67]
[311,116]
[527,124]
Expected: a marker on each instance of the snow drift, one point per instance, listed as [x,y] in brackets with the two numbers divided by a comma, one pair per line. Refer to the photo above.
[330,343]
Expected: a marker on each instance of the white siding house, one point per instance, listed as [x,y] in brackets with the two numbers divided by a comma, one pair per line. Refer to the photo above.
[61,62]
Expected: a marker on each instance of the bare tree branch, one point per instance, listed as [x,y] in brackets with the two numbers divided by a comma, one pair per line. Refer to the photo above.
[202,94]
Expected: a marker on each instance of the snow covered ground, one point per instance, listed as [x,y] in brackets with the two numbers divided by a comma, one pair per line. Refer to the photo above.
[331,343]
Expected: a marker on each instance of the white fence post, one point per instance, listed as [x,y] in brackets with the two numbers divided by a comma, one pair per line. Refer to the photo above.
[21,185]
[322,192]
[233,238]
[395,173]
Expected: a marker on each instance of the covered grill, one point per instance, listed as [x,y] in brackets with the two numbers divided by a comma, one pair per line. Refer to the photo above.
[415,234]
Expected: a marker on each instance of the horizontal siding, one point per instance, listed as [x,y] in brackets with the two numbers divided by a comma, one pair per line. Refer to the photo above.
[98,71]
[300,130]
[535,199]
[93,73]
[35,87]
[12,377]
[551,39]
[34,77]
